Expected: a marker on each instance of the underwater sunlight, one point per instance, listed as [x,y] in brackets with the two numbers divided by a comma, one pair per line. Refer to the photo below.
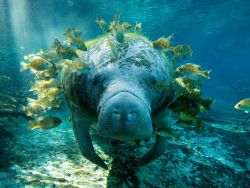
[129,94]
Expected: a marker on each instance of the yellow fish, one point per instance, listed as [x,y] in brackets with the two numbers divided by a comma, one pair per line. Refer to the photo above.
[72,32]
[202,109]
[126,25]
[36,65]
[103,25]
[181,52]
[33,109]
[163,43]
[77,42]
[182,83]
[117,32]
[76,64]
[51,92]
[190,68]
[188,118]
[44,84]
[243,105]
[48,73]
[45,122]
[63,51]
[28,57]
[137,27]
[116,27]
[188,84]
[45,102]
[50,56]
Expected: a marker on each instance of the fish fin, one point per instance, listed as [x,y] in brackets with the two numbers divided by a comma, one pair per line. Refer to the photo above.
[34,126]
[58,106]
[33,70]
[28,113]
[207,72]
[207,103]
[50,98]
[46,75]
[41,96]
[60,86]
[69,118]
[33,88]
[30,100]
[22,108]
[23,66]
[80,53]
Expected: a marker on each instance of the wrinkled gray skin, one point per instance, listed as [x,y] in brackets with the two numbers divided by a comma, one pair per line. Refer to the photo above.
[117,94]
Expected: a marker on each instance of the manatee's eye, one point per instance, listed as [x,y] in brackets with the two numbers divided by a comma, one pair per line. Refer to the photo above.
[99,78]
[151,80]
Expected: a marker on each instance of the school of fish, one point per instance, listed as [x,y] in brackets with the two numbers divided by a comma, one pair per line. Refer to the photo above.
[46,89]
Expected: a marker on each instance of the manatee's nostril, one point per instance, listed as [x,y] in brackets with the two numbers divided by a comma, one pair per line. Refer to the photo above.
[116,115]
[131,116]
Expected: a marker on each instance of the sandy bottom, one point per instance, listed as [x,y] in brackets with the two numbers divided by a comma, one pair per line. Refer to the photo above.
[51,158]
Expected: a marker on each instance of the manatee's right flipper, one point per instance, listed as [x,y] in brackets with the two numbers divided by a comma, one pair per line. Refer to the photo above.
[157,150]
[81,125]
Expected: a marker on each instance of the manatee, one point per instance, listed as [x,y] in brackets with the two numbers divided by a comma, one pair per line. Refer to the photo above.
[116,96]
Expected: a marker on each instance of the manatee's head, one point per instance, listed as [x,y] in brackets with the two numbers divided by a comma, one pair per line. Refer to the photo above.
[124,108]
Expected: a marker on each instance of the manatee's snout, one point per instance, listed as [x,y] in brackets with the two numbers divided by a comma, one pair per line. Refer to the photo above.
[124,117]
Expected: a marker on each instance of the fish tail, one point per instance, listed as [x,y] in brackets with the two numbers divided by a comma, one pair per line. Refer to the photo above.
[28,113]
[23,66]
[22,108]
[207,72]
[33,88]
[30,100]
[25,110]
[52,64]
[41,95]
[33,70]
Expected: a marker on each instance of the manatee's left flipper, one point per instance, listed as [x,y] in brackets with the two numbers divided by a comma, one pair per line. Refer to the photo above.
[157,150]
[81,125]
[162,120]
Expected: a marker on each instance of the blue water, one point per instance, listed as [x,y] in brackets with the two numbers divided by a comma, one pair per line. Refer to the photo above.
[218,32]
